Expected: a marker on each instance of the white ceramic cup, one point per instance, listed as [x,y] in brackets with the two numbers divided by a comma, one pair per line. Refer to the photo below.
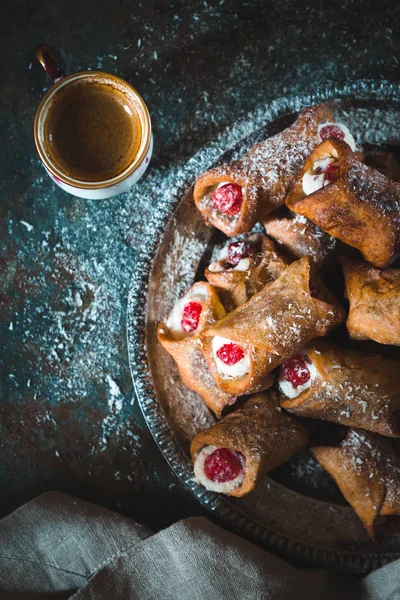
[140,160]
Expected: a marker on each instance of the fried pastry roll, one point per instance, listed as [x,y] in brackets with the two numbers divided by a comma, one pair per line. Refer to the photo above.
[233,456]
[374,297]
[243,347]
[367,471]
[350,201]
[244,267]
[199,308]
[235,196]
[342,386]
[299,237]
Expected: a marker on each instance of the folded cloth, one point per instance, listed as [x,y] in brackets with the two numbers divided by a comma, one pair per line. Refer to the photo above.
[58,547]
[56,542]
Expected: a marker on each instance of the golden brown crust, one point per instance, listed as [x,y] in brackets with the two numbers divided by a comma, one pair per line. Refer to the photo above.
[261,431]
[276,323]
[236,287]
[374,296]
[265,173]
[361,208]
[299,237]
[353,388]
[367,471]
[188,356]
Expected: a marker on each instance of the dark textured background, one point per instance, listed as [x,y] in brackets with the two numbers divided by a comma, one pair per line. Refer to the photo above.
[68,416]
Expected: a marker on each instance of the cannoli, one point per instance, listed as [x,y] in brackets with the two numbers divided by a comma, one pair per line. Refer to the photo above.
[244,267]
[235,196]
[299,237]
[374,297]
[179,336]
[342,386]
[233,456]
[243,347]
[349,200]
[367,471]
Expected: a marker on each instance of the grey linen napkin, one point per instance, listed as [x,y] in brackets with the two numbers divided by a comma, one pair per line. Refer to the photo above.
[57,547]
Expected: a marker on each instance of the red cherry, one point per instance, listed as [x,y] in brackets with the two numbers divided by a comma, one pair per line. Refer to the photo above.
[332,172]
[190,316]
[296,371]
[228,199]
[223,465]
[237,251]
[332,131]
[230,354]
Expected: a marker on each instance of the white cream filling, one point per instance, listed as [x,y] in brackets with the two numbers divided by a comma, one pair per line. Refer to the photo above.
[175,317]
[289,389]
[242,367]
[216,267]
[348,138]
[243,265]
[223,255]
[213,486]
[313,181]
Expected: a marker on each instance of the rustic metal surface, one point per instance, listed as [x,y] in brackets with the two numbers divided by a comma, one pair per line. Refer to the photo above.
[67,415]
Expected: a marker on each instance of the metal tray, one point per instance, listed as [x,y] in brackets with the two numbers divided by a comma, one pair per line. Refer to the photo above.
[297,511]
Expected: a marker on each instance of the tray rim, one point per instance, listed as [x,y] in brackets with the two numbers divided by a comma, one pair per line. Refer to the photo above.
[164,210]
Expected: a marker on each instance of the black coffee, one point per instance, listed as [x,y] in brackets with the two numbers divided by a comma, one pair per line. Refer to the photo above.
[92,131]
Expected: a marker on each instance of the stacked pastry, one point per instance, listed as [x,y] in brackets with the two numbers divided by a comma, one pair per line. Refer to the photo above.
[248,340]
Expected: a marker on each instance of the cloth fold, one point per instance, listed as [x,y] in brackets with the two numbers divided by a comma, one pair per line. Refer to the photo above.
[57,547]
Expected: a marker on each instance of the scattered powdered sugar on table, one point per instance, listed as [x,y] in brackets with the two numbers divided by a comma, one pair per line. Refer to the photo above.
[68,279]
[68,273]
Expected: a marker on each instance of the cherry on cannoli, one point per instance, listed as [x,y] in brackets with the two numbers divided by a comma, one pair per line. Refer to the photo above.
[374,297]
[244,267]
[337,131]
[179,336]
[367,471]
[233,456]
[342,386]
[235,196]
[243,347]
[299,237]
[350,201]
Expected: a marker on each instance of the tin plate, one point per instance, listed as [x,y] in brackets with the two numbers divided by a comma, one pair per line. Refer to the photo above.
[297,511]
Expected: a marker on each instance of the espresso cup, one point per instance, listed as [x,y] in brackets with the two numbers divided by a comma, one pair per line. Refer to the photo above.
[92,131]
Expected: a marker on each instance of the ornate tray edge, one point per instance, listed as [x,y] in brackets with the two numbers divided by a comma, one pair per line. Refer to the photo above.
[136,330]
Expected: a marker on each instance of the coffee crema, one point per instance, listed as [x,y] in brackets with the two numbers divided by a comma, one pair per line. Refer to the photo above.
[92,131]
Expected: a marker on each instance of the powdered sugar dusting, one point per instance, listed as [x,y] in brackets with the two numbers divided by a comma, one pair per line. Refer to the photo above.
[299,236]
[181,254]
[356,389]
[371,457]
[267,170]
[274,506]
[372,187]
[70,275]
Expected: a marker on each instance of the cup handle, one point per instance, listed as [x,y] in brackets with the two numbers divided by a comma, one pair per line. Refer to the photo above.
[49,63]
